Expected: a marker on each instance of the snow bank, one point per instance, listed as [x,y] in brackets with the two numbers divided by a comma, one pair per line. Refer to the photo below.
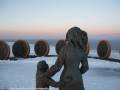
[102,75]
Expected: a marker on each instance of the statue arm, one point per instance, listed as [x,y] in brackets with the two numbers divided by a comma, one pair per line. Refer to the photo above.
[57,66]
[84,65]
[53,83]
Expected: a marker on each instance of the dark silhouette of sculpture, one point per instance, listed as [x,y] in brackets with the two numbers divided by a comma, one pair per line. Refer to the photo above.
[104,49]
[4,50]
[71,55]
[41,48]
[21,49]
[59,45]
[43,80]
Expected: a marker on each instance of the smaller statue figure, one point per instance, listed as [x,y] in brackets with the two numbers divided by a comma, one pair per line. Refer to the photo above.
[43,77]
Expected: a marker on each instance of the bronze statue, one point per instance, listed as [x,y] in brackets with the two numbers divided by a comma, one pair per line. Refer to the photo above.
[74,59]
[43,80]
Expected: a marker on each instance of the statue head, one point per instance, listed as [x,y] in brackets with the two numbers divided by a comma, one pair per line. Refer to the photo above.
[77,37]
[42,66]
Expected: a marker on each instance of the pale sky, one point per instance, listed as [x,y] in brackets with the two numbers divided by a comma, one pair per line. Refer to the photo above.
[50,19]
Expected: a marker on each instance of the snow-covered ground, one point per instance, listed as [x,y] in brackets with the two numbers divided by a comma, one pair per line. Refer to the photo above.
[102,75]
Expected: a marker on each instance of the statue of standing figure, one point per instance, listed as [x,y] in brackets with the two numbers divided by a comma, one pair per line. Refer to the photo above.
[74,59]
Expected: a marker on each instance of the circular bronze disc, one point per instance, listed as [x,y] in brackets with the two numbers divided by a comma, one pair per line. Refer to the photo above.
[21,49]
[59,45]
[4,51]
[104,49]
[41,48]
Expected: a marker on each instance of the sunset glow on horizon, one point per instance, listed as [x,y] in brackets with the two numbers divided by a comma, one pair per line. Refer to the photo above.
[50,19]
